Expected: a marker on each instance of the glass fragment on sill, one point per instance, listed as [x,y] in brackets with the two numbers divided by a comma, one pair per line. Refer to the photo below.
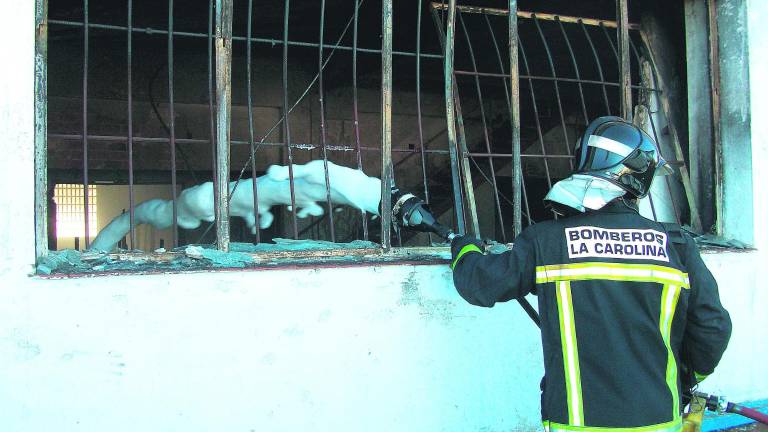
[191,257]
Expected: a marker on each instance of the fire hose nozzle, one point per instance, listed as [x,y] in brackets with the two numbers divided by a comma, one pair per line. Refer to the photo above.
[718,404]
[411,212]
[721,405]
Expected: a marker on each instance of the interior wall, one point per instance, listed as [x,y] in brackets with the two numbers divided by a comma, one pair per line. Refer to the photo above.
[112,201]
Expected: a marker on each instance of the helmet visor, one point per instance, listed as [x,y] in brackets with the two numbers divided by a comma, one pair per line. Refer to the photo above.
[604,153]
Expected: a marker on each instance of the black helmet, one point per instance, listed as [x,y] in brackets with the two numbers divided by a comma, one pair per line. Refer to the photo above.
[620,152]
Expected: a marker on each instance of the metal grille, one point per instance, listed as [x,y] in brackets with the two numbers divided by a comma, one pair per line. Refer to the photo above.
[216,91]
[70,218]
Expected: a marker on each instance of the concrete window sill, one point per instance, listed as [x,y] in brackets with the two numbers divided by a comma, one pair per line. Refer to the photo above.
[70,263]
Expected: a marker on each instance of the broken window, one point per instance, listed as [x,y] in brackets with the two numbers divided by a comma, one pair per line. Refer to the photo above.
[301,107]
[71,212]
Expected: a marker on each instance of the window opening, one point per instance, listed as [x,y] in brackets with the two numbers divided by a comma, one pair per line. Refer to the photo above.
[213,93]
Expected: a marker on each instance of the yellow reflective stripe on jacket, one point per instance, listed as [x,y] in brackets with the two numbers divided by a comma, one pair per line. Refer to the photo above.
[673,426]
[612,271]
[466,249]
[570,354]
[669,296]
[699,377]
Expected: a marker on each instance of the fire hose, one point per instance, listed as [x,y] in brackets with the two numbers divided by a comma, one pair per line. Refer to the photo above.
[720,405]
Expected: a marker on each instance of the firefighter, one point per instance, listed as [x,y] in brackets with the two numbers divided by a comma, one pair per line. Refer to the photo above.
[627,305]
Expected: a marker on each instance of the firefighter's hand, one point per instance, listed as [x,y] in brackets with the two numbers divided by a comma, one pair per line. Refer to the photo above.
[462,245]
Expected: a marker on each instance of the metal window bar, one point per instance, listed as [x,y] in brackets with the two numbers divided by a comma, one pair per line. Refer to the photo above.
[622,30]
[286,115]
[526,14]
[172,129]
[85,121]
[535,113]
[575,71]
[251,142]
[486,138]
[566,142]
[549,78]
[512,93]
[355,110]
[468,186]
[129,96]
[598,65]
[518,182]
[462,184]
[450,111]
[212,110]
[223,107]
[259,40]
[387,175]
[420,7]
[321,92]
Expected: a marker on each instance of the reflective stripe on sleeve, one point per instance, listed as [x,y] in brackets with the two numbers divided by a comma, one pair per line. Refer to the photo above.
[673,426]
[612,271]
[570,354]
[465,250]
[669,296]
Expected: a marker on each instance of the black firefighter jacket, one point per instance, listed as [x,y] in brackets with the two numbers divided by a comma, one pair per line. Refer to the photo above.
[625,302]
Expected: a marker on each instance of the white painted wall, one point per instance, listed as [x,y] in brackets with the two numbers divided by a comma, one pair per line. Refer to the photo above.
[274,350]
[17,135]
[758,67]
[297,350]
[741,374]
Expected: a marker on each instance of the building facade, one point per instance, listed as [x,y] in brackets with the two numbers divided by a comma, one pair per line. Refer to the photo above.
[314,348]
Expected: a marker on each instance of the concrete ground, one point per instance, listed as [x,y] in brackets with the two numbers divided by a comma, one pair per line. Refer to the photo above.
[753,427]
